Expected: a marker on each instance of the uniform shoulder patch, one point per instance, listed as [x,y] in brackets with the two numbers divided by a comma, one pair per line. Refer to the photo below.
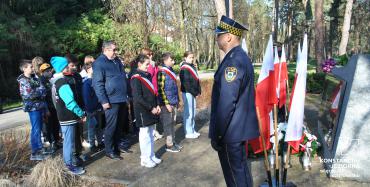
[230,74]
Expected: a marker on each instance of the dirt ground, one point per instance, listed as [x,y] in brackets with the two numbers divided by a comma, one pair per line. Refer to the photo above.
[198,164]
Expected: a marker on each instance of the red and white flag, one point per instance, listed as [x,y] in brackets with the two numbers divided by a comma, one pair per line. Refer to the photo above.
[299,52]
[335,99]
[295,122]
[283,78]
[265,97]
[244,46]
[276,70]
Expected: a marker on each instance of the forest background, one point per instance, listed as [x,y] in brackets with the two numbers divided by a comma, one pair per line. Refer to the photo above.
[28,28]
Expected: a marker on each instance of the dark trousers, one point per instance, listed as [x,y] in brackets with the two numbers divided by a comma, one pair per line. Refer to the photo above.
[115,119]
[78,136]
[125,120]
[52,127]
[233,161]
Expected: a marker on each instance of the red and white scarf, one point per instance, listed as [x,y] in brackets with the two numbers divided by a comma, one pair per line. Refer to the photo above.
[169,72]
[191,70]
[146,83]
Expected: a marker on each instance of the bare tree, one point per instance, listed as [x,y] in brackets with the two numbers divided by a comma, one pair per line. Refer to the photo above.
[345,28]
[319,34]
[220,8]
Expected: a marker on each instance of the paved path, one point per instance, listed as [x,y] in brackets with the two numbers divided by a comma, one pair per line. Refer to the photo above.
[13,118]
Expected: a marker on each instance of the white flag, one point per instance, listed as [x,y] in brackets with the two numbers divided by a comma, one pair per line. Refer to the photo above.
[296,116]
[244,46]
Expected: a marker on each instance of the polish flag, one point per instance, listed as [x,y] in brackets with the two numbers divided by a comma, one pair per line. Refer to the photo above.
[244,46]
[335,99]
[276,70]
[265,97]
[295,122]
[283,78]
[296,74]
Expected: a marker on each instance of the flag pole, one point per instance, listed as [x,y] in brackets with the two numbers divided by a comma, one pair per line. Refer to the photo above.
[264,148]
[286,161]
[287,85]
[286,166]
[276,147]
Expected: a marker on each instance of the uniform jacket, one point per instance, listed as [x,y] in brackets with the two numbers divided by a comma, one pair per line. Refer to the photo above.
[233,112]
[144,99]
[68,111]
[109,80]
[190,80]
[33,93]
[167,87]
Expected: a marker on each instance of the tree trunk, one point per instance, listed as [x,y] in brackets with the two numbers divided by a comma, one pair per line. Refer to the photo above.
[290,23]
[182,24]
[276,29]
[319,34]
[345,28]
[333,30]
[144,27]
[231,9]
[221,10]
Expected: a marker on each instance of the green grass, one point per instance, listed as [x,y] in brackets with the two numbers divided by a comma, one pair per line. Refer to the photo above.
[11,105]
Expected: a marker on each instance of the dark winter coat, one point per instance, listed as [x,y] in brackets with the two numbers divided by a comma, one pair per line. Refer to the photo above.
[190,80]
[144,99]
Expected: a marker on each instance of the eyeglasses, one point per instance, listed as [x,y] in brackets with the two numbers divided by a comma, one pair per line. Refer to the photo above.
[115,49]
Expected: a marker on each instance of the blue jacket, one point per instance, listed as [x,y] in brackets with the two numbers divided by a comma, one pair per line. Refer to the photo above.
[109,80]
[233,111]
[167,89]
[88,94]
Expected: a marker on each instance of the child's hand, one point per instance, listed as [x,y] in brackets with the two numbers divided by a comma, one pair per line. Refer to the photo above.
[154,111]
[158,110]
[169,108]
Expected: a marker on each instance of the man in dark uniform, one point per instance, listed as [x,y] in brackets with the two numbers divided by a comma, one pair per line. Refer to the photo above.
[233,113]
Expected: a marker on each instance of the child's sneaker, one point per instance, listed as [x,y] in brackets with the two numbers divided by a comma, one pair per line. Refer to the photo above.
[156,160]
[75,170]
[157,136]
[191,136]
[148,163]
[197,133]
[172,149]
[178,145]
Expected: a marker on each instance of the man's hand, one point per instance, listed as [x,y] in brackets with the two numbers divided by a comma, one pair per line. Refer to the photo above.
[169,108]
[106,106]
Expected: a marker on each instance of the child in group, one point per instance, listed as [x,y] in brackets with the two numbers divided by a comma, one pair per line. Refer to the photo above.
[146,109]
[45,130]
[153,69]
[168,99]
[74,79]
[190,88]
[33,94]
[88,60]
[51,124]
[92,108]
[69,112]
